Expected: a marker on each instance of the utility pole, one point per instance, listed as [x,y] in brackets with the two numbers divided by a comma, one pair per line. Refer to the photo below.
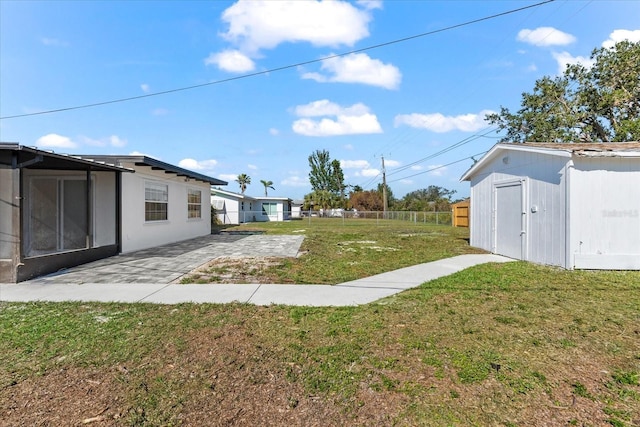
[384,190]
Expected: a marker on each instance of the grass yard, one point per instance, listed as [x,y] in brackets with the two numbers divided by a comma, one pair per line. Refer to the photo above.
[511,344]
[335,251]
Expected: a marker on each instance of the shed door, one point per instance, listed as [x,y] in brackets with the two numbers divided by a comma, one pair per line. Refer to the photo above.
[509,220]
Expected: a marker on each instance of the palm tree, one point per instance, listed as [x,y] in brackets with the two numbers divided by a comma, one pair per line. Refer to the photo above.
[267,184]
[243,180]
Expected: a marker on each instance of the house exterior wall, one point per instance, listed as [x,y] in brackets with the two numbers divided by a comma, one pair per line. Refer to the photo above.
[231,211]
[605,213]
[282,211]
[543,184]
[140,234]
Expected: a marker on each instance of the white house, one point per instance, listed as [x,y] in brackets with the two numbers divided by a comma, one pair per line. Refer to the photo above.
[576,206]
[58,211]
[161,203]
[236,208]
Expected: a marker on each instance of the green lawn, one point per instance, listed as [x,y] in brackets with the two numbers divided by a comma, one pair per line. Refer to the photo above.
[510,344]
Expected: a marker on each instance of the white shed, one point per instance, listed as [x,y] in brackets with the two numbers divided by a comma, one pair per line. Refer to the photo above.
[576,206]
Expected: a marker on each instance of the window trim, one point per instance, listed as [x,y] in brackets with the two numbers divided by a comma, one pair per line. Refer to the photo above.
[164,189]
[191,204]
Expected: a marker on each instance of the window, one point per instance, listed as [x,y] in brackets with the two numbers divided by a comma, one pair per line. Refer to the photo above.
[194,204]
[156,200]
[270,209]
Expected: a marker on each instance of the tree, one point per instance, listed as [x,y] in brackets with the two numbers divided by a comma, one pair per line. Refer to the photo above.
[600,103]
[267,184]
[391,200]
[320,174]
[427,199]
[243,180]
[366,200]
[327,180]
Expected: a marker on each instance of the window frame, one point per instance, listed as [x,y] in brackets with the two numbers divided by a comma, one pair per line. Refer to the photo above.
[197,206]
[272,211]
[157,203]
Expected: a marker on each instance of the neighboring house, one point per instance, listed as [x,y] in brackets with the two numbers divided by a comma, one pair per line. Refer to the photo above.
[576,206]
[58,211]
[296,208]
[236,208]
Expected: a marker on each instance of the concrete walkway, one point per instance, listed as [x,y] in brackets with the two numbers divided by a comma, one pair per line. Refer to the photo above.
[363,291]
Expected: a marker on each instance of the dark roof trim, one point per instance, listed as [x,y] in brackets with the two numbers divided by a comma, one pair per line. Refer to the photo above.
[31,156]
[156,164]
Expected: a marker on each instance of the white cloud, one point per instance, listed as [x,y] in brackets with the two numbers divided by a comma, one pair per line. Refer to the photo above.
[565,58]
[229,177]
[255,25]
[348,147]
[138,153]
[357,68]
[440,123]
[274,132]
[53,140]
[354,164]
[116,141]
[545,36]
[370,4]
[620,35]
[53,42]
[369,173]
[252,167]
[232,61]
[392,163]
[198,165]
[295,181]
[110,141]
[352,120]
[343,125]
[145,88]
[416,168]
[324,107]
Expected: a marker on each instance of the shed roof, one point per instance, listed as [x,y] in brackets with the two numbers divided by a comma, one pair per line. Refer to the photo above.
[618,149]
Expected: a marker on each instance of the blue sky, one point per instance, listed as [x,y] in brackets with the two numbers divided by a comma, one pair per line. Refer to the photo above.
[406,102]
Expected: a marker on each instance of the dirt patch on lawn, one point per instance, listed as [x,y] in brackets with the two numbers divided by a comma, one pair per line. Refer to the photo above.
[235,270]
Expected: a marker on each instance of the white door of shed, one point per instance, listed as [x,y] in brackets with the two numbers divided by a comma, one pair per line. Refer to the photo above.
[509,226]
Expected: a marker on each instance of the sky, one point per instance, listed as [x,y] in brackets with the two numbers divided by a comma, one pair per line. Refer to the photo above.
[255,87]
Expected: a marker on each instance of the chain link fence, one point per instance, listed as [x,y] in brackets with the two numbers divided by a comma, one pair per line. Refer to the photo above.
[339,217]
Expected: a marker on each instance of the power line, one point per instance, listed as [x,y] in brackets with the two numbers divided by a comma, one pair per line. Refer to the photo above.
[285,67]
[444,150]
[438,167]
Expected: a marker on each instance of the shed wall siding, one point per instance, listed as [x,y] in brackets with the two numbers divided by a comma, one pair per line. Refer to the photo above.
[544,189]
[605,214]
[140,234]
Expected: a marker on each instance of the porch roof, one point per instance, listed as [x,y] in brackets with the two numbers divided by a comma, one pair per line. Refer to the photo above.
[19,156]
